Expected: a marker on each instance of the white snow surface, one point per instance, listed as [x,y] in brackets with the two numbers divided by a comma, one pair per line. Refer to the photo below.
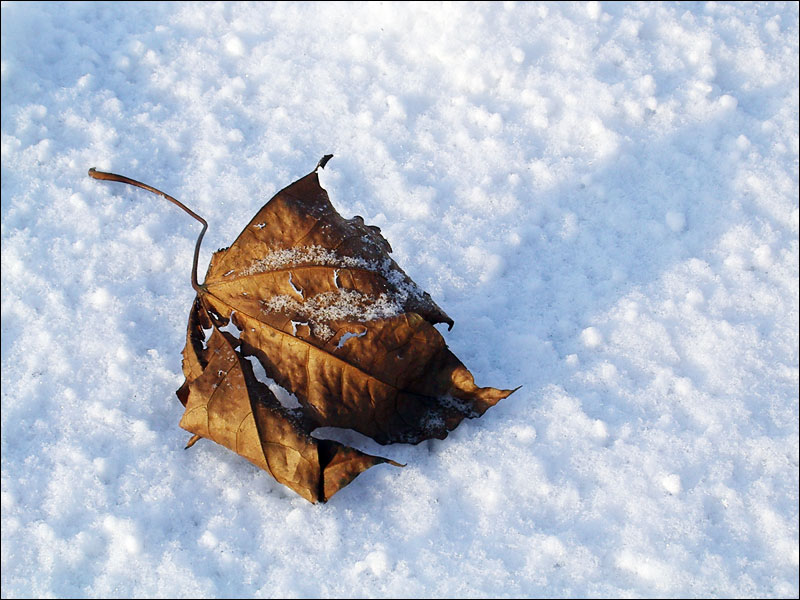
[604,197]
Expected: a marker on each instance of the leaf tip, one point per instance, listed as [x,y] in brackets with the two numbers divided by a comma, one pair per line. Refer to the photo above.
[323,161]
[192,442]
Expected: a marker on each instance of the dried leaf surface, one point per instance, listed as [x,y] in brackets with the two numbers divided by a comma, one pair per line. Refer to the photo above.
[318,301]
[226,403]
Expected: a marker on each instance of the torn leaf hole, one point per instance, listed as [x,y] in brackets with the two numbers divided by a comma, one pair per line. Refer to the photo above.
[348,335]
[229,327]
[297,289]
[296,325]
[286,398]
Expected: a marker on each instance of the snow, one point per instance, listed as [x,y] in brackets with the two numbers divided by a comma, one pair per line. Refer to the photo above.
[604,197]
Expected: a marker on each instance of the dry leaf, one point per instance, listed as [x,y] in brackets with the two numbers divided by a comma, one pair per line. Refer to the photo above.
[319,303]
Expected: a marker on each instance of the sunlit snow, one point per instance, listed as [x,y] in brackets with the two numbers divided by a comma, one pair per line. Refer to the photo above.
[603,196]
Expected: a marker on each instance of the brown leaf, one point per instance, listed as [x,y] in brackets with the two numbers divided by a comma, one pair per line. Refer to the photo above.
[318,301]
[333,319]
[227,404]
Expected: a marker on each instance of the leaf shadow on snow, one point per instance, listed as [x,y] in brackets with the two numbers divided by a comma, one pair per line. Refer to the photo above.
[588,243]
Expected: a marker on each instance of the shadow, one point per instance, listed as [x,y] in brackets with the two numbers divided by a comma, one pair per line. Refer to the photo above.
[560,253]
[586,242]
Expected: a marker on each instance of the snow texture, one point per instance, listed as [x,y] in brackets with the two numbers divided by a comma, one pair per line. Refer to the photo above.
[604,196]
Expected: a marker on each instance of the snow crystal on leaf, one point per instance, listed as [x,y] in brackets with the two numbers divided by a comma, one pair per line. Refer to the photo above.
[342,305]
[305,256]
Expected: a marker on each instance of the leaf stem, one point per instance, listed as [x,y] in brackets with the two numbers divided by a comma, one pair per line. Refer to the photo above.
[122,179]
